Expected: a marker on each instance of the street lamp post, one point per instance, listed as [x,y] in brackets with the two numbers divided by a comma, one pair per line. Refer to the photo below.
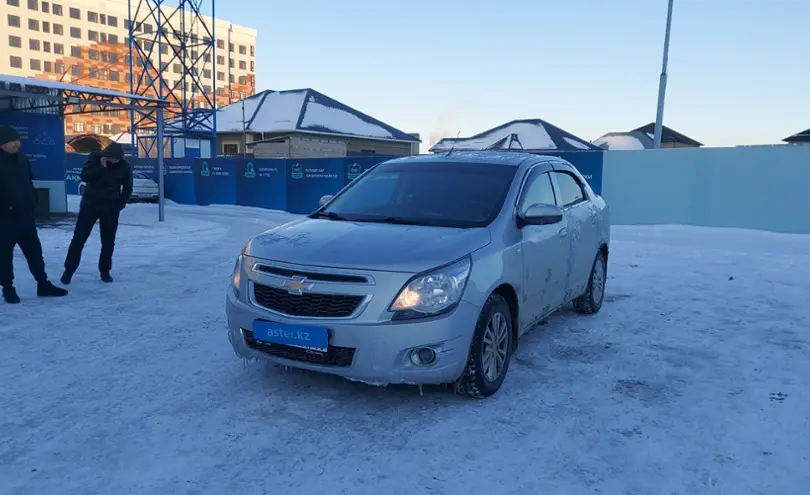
[662,83]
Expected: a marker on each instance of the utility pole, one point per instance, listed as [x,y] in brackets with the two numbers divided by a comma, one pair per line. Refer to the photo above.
[662,83]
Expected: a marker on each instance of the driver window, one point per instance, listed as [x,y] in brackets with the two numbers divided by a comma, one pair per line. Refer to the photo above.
[538,189]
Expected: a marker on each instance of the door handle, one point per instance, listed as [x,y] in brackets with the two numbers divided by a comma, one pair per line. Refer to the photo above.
[563,232]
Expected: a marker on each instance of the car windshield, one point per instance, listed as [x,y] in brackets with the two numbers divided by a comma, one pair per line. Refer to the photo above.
[446,194]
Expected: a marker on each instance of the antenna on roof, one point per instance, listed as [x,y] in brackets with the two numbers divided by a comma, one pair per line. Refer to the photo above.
[454,143]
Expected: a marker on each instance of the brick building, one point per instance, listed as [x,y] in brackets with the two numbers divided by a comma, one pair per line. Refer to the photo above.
[87,42]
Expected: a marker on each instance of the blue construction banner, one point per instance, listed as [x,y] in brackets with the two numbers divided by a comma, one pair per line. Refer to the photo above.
[262,183]
[310,178]
[43,141]
[588,163]
[146,166]
[216,181]
[180,181]
[74,163]
[358,164]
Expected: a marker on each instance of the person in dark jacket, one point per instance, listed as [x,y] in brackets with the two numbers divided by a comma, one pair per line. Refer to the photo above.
[18,225]
[108,186]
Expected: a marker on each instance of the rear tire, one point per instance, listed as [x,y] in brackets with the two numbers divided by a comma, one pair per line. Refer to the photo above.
[591,301]
[490,351]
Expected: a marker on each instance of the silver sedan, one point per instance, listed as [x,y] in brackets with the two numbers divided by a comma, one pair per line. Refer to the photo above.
[424,270]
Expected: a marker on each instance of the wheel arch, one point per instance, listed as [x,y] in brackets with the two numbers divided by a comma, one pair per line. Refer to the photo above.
[508,292]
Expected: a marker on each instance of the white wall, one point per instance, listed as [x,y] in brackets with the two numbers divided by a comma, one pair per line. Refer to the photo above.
[57,194]
[756,187]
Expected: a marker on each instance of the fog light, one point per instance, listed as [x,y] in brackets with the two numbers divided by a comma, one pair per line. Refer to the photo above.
[424,355]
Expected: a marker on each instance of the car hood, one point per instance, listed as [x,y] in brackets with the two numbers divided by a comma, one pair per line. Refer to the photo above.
[368,246]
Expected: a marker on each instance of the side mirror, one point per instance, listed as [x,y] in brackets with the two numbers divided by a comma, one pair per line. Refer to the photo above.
[540,214]
[325,199]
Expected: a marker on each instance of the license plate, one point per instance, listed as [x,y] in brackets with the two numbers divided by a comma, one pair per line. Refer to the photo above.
[303,336]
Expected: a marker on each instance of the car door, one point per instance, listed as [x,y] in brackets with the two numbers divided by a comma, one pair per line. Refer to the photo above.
[544,252]
[581,230]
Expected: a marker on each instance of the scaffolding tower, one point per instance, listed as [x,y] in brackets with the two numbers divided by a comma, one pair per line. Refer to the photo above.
[174,39]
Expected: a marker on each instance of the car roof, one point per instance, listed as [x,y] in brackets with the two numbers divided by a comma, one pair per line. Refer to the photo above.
[509,158]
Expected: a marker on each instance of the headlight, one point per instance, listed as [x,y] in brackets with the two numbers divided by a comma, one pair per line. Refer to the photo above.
[236,277]
[434,292]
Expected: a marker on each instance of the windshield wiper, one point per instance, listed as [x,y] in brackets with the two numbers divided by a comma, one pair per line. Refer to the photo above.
[329,214]
[393,220]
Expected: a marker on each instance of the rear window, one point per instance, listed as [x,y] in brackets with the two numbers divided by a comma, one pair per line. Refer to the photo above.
[448,194]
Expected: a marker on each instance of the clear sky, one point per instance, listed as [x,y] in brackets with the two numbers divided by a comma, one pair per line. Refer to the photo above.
[739,70]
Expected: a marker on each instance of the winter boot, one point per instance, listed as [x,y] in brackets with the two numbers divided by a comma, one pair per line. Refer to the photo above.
[47,289]
[67,277]
[106,277]
[10,295]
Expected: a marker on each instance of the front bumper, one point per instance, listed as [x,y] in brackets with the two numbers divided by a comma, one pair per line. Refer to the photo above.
[377,353]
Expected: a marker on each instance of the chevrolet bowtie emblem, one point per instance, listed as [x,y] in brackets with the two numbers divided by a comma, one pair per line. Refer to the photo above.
[297,286]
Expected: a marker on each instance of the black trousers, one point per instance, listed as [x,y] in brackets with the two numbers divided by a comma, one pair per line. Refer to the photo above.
[20,230]
[106,214]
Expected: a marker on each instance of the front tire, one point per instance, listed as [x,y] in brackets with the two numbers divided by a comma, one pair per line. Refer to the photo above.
[591,301]
[490,351]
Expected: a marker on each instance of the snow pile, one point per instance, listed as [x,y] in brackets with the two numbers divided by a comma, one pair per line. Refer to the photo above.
[619,141]
[692,379]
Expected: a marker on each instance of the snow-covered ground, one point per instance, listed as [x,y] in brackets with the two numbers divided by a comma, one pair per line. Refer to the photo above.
[692,380]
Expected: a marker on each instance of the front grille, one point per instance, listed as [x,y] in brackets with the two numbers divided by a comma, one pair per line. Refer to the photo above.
[334,356]
[325,277]
[308,305]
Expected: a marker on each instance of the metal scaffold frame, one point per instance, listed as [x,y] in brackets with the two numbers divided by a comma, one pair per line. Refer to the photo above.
[179,30]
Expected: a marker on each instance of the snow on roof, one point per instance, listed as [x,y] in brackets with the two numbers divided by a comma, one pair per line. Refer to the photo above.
[617,141]
[526,135]
[799,137]
[303,110]
[61,86]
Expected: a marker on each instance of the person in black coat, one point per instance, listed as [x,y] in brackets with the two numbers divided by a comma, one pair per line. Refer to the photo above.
[108,186]
[18,225]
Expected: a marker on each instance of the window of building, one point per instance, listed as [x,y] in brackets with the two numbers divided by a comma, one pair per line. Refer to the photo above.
[96,128]
[112,21]
[76,51]
[114,58]
[220,92]
[47,66]
[59,48]
[58,29]
[114,76]
[207,73]
[36,64]
[220,60]
[33,4]
[207,90]
[221,44]
[14,41]
[93,74]
[115,129]
[194,54]
[164,49]
[571,191]
[33,24]
[16,62]
[147,28]
[92,54]
[59,68]
[252,66]
[13,3]
[242,80]
[75,13]
[75,33]
[112,39]
[230,47]
[46,46]
[177,68]
[230,149]
[103,75]
[103,56]
[13,20]
[220,76]
[103,37]
[92,17]
[242,65]
[147,45]
[46,7]
[78,127]
[102,19]
[241,95]
[77,71]
[252,51]
[242,50]
[207,57]
[231,63]
[92,35]
[230,78]
[56,9]
[46,27]
[33,45]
